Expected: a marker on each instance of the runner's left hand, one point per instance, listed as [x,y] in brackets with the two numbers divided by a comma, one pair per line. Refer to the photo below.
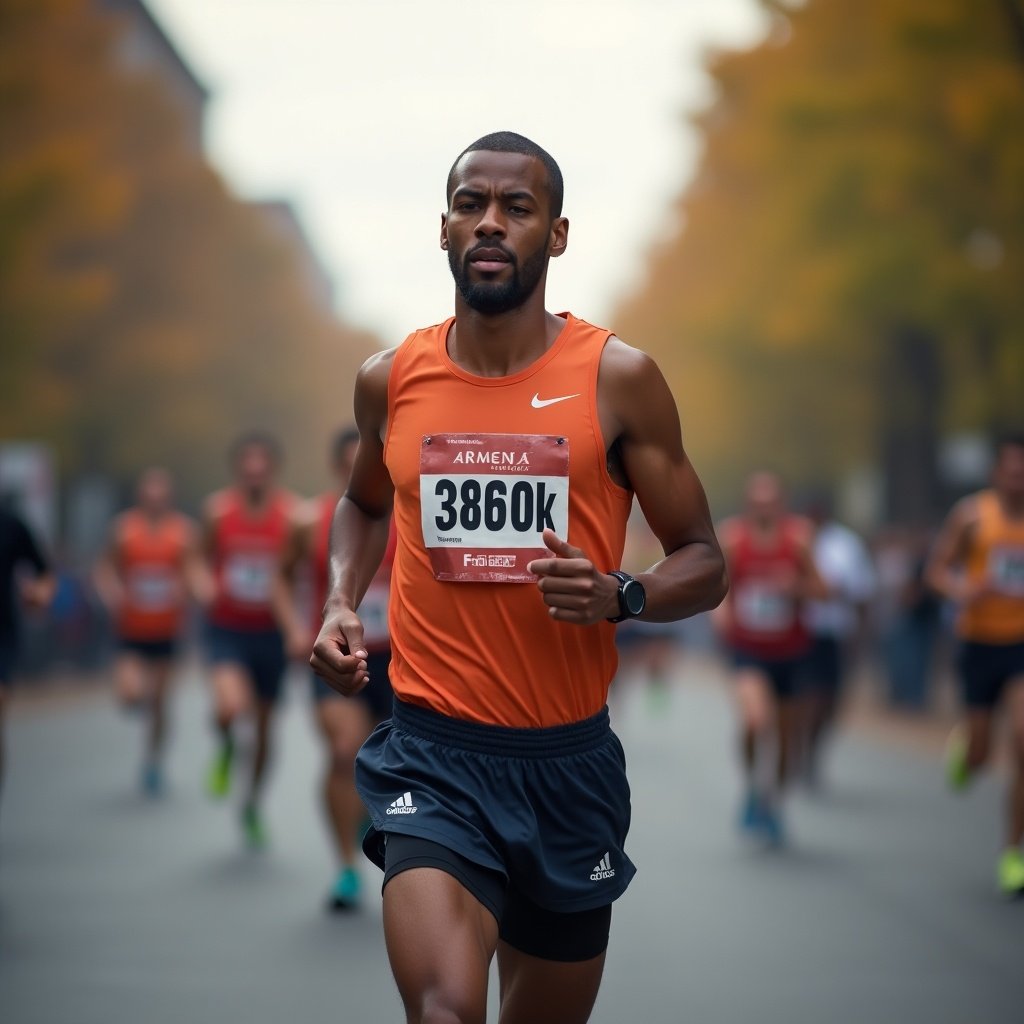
[573,588]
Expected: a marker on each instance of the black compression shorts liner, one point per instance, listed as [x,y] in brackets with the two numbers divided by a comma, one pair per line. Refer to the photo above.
[403,852]
[534,930]
[553,741]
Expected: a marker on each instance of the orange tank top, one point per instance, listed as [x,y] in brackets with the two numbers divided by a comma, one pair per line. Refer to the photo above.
[997,553]
[150,556]
[480,467]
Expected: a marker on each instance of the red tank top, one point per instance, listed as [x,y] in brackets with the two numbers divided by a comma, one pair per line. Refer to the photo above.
[764,621]
[150,556]
[373,610]
[246,553]
[480,465]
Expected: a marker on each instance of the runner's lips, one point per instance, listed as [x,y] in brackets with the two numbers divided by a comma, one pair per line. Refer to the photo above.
[489,260]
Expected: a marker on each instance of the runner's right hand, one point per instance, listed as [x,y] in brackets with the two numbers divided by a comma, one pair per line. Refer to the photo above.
[339,654]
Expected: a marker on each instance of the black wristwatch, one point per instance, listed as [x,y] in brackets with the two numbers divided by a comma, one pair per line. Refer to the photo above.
[632,597]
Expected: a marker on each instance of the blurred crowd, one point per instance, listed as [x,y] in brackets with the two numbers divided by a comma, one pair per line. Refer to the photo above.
[890,621]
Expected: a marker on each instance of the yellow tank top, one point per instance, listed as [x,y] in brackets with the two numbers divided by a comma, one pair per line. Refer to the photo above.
[997,552]
[480,467]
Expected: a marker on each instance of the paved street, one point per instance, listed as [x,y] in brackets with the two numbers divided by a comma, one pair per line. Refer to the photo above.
[114,909]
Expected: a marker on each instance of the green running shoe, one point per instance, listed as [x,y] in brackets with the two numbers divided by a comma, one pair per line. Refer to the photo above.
[958,774]
[253,827]
[218,779]
[346,892]
[1010,873]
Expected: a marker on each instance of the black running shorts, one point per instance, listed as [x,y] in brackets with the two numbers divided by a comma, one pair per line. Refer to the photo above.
[544,811]
[985,669]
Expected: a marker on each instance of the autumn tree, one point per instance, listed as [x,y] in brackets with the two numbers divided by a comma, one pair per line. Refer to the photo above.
[843,286]
[148,314]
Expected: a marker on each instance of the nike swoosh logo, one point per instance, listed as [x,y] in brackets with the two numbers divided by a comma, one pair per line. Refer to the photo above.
[539,403]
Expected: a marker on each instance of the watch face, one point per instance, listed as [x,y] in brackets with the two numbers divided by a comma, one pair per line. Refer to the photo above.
[634,597]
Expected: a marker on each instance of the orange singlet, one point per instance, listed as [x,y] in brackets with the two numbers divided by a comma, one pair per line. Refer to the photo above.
[150,555]
[997,552]
[480,466]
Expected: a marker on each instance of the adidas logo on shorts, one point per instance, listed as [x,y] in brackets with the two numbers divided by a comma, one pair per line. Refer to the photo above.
[603,870]
[403,805]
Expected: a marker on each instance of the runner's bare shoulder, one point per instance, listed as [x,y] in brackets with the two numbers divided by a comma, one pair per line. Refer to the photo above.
[371,390]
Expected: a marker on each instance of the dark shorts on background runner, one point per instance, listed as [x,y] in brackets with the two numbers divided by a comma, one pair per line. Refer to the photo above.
[783,673]
[150,650]
[545,810]
[822,669]
[376,694]
[260,652]
[985,669]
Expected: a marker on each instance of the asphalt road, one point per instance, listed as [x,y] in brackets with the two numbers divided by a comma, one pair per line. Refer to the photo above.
[118,909]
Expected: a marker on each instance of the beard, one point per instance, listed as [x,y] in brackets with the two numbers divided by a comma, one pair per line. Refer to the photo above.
[492,297]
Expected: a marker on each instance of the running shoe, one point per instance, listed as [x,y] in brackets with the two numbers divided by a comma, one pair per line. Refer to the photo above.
[152,779]
[218,779]
[1010,873]
[772,827]
[659,697]
[346,892]
[752,813]
[958,774]
[253,827]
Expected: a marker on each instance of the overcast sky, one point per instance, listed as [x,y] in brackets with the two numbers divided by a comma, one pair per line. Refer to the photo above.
[356,110]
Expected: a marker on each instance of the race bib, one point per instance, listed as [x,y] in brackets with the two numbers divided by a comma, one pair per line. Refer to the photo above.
[373,611]
[152,588]
[248,577]
[761,608]
[1006,570]
[485,500]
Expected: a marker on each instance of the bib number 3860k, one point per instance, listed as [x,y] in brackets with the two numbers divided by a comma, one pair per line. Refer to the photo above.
[486,499]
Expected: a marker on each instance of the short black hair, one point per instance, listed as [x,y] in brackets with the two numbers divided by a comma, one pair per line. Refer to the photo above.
[511,142]
[261,439]
[341,440]
[1008,439]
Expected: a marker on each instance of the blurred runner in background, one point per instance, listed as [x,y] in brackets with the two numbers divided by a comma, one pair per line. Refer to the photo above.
[978,563]
[838,626]
[25,577]
[245,529]
[143,578]
[344,722]
[772,574]
[647,650]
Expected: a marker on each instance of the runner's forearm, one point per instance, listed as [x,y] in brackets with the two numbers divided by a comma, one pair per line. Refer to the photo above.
[692,579]
[358,543]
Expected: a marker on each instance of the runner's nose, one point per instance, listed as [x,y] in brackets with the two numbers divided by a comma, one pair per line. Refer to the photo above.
[492,222]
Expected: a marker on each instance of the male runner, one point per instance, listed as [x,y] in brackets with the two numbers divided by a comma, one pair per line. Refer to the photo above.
[771,572]
[143,578]
[344,724]
[245,529]
[510,442]
[978,562]
[25,575]
[838,627]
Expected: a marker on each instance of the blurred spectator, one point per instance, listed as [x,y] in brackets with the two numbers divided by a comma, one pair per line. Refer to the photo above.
[907,615]
[25,577]
[838,624]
